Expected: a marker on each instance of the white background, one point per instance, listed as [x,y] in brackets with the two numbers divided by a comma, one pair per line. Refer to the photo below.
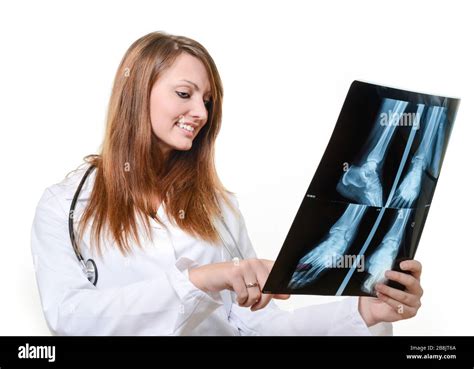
[286,68]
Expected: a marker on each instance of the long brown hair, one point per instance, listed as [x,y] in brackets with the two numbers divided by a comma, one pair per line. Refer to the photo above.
[131,171]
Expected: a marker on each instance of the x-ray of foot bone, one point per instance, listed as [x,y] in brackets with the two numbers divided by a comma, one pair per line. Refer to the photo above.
[329,252]
[366,206]
[384,256]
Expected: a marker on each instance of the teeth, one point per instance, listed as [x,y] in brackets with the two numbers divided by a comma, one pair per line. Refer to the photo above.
[185,126]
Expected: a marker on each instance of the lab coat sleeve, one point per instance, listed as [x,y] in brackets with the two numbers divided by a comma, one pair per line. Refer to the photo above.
[334,319]
[168,304]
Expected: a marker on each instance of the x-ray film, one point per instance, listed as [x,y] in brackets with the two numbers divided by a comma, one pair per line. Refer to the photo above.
[366,206]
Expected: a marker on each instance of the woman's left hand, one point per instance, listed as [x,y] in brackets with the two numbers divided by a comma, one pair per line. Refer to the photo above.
[392,304]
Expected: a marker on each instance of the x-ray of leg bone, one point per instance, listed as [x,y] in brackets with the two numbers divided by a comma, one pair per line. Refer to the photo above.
[370,196]
[427,154]
[362,182]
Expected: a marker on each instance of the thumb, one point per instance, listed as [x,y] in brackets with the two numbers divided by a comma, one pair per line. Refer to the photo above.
[281,296]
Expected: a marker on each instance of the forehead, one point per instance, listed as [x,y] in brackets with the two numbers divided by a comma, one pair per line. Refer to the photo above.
[190,68]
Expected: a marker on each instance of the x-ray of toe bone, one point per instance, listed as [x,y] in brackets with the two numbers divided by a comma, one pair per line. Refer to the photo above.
[366,206]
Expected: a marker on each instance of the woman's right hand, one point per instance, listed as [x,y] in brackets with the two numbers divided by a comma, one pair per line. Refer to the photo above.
[235,276]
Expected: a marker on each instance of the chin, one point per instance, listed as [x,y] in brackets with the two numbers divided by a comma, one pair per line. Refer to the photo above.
[184,147]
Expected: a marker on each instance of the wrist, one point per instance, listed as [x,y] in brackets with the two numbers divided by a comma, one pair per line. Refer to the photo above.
[211,277]
[365,311]
[194,278]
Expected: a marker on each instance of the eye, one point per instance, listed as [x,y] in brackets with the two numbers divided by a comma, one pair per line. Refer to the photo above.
[183,95]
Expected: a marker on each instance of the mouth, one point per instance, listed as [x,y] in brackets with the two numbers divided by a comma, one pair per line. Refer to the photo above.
[188,128]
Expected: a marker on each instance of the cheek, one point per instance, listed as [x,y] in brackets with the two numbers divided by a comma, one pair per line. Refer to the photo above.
[162,116]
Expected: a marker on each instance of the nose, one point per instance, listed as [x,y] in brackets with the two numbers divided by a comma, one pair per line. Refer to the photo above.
[199,111]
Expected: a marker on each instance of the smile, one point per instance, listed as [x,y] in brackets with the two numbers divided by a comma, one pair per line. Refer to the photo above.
[185,126]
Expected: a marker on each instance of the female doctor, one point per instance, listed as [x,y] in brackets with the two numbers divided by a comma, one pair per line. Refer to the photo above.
[134,243]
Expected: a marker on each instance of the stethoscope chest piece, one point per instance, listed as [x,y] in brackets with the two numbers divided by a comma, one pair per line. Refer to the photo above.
[90,269]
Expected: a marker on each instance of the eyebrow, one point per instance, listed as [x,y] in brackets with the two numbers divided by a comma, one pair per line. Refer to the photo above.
[195,85]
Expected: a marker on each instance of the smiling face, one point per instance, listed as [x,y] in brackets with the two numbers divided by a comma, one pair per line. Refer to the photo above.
[178,103]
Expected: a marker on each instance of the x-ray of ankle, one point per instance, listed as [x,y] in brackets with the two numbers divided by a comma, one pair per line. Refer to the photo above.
[327,253]
[362,181]
[384,256]
[427,157]
[371,193]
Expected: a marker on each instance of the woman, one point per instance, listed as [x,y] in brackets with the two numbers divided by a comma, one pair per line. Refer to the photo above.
[148,214]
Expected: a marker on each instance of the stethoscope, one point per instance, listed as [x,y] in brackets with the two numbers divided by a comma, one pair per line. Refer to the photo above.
[89,267]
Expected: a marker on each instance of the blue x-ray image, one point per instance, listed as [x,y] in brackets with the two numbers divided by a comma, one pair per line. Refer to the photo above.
[329,252]
[384,256]
[361,182]
[426,158]
[367,204]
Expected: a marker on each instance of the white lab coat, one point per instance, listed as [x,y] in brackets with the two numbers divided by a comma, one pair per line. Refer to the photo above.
[148,292]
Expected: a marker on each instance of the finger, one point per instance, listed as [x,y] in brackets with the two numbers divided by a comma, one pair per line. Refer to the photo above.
[262,275]
[410,282]
[413,266]
[403,310]
[281,296]
[398,295]
[254,295]
[240,289]
[250,277]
